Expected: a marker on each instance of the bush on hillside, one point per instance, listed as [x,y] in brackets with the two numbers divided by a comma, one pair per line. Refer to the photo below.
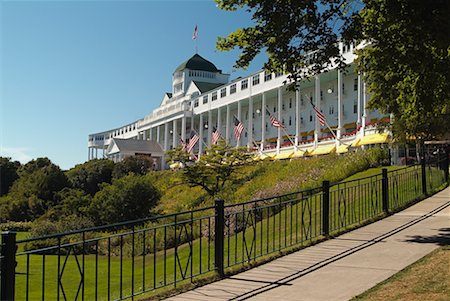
[90,175]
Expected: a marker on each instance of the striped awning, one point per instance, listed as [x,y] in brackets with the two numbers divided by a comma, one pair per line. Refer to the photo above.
[263,157]
[374,139]
[283,156]
[324,149]
[299,154]
[343,148]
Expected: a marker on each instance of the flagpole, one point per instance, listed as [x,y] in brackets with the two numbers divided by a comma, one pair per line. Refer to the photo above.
[284,129]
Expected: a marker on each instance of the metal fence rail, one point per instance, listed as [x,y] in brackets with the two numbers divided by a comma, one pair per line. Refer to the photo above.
[124,260]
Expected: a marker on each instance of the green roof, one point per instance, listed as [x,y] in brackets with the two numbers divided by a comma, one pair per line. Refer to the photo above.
[196,62]
[205,87]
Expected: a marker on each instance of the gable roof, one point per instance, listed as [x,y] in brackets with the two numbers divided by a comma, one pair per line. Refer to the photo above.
[135,146]
[205,87]
[196,62]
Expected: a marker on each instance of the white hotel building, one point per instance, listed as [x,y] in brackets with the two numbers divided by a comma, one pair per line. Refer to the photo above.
[203,97]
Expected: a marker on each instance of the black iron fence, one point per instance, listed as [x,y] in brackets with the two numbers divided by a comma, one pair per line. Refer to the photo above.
[125,260]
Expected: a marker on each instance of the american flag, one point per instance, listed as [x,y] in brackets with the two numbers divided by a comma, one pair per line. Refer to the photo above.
[215,135]
[319,115]
[192,141]
[275,122]
[238,128]
[195,34]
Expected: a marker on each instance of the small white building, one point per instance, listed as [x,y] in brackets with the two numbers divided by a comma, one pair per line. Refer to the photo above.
[119,149]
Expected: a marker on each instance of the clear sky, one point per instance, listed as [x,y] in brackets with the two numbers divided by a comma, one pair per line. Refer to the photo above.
[71,68]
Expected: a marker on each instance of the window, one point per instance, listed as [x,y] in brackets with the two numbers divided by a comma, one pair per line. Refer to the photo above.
[177,88]
[321,95]
[355,107]
[223,92]
[331,110]
[255,80]
[196,103]
[205,99]
[355,84]
[214,96]
[233,89]
[278,74]
[290,120]
[343,88]
[244,84]
[310,116]
[274,109]
[282,106]
[246,115]
[290,103]
[267,76]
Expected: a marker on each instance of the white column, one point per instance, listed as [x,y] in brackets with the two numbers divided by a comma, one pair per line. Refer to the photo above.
[317,104]
[227,131]
[238,143]
[219,120]
[96,153]
[89,153]
[358,122]
[150,134]
[144,135]
[200,134]
[364,116]
[250,123]
[158,134]
[183,129]
[209,127]
[174,134]
[339,108]
[166,136]
[263,120]
[297,115]
[280,100]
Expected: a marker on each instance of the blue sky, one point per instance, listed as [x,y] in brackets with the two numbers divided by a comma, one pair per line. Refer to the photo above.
[71,68]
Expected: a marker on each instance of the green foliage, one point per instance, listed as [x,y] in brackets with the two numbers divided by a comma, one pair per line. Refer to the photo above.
[35,190]
[16,226]
[8,174]
[89,175]
[214,168]
[139,165]
[288,31]
[128,198]
[407,64]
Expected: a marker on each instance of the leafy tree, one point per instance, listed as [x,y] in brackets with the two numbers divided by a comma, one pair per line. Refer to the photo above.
[214,168]
[8,174]
[130,197]
[35,189]
[406,62]
[89,175]
[136,164]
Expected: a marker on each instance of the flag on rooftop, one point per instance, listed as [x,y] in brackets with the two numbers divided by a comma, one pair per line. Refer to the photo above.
[192,141]
[319,115]
[238,128]
[215,135]
[195,34]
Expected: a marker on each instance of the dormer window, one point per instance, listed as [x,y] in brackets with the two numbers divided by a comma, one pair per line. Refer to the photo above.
[177,88]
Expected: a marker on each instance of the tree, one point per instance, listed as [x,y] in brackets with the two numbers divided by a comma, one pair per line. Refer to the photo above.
[407,64]
[130,197]
[290,31]
[139,165]
[214,168]
[8,174]
[89,175]
[35,189]
[406,60]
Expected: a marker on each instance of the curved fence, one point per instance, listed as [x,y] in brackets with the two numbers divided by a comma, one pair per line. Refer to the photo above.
[125,260]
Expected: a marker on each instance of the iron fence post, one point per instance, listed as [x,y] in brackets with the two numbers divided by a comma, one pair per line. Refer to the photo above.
[219,225]
[385,190]
[8,266]
[424,175]
[326,208]
[446,164]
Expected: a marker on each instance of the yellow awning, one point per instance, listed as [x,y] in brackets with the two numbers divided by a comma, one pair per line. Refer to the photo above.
[263,157]
[355,143]
[282,156]
[299,154]
[374,139]
[342,149]
[324,149]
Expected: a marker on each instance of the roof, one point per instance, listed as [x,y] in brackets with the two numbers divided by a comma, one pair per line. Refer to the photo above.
[169,94]
[196,62]
[136,146]
[205,87]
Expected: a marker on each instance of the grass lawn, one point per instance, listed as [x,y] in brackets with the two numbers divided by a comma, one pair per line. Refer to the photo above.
[426,279]
[288,225]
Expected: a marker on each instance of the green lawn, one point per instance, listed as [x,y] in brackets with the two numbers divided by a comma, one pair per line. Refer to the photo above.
[279,227]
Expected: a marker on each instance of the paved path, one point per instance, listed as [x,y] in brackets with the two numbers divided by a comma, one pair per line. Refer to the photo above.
[346,266]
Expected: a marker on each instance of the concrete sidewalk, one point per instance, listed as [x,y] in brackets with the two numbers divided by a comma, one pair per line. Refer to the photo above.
[341,268]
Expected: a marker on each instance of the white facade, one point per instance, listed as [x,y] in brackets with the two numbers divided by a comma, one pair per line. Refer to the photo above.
[202,99]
